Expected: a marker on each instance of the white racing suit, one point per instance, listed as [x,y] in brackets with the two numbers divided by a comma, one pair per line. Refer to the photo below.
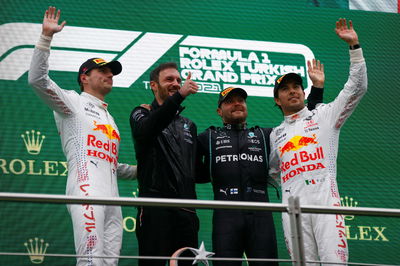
[90,141]
[303,157]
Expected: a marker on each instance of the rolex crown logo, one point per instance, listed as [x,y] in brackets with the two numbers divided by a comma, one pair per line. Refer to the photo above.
[348,202]
[36,250]
[33,141]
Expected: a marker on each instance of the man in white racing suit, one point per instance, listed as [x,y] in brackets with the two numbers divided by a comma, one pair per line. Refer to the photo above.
[90,141]
[304,151]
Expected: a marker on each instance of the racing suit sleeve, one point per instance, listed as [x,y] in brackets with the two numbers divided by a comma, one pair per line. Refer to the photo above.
[203,174]
[356,86]
[61,101]
[147,124]
[315,97]
[126,171]
[274,170]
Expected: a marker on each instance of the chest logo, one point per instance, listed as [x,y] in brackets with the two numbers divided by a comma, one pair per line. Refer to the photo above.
[296,143]
[108,130]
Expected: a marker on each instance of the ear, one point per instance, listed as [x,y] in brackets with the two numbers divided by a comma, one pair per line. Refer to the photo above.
[83,78]
[153,86]
[277,101]
[219,111]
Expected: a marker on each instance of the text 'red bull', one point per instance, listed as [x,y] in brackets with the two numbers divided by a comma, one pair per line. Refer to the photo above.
[107,146]
[301,158]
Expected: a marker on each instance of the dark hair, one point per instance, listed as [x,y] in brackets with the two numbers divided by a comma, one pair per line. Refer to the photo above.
[80,83]
[155,74]
[276,90]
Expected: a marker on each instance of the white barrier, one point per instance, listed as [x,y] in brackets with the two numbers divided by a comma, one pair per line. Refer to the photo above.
[294,210]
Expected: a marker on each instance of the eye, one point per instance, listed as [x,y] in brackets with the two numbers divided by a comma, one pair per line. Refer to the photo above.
[229,100]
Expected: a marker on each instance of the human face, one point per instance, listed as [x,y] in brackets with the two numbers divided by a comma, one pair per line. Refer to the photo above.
[290,97]
[233,109]
[98,81]
[169,82]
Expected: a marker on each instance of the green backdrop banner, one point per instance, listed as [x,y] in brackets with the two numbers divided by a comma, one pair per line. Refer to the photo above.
[223,43]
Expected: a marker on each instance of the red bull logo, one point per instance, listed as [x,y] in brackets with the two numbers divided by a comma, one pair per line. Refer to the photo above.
[107,130]
[296,143]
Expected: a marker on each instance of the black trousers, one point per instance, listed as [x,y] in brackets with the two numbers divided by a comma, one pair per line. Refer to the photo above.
[236,232]
[162,231]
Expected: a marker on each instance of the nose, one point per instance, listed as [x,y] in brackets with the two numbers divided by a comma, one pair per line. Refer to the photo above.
[175,82]
[292,89]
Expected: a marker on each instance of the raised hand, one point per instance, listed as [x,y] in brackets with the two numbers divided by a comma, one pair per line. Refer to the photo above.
[316,73]
[189,87]
[50,22]
[348,34]
[147,106]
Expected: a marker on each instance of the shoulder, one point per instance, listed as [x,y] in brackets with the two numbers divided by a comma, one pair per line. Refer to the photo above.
[186,120]
[208,130]
[264,130]
[138,113]
[276,131]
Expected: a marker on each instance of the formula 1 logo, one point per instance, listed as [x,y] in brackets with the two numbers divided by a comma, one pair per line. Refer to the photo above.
[215,63]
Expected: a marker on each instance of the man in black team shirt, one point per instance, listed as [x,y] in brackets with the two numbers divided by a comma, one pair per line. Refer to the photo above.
[165,144]
[235,159]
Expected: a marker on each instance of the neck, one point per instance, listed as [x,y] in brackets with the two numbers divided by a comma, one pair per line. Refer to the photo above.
[287,112]
[159,101]
[96,94]
[236,125]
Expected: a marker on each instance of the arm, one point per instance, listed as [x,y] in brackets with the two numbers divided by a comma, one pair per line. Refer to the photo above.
[356,85]
[202,163]
[59,100]
[146,124]
[126,171]
[317,76]
[274,161]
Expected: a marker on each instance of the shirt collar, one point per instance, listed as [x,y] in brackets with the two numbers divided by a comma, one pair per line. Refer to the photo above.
[296,116]
[235,126]
[96,100]
[155,105]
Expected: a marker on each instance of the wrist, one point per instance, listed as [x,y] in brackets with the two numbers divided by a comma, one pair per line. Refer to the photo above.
[44,42]
[318,84]
[354,46]
[182,94]
[47,33]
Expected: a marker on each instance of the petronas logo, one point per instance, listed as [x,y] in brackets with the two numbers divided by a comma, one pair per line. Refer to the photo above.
[36,250]
[33,141]
[348,202]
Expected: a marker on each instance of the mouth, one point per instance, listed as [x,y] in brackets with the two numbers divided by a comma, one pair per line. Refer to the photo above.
[172,90]
[237,111]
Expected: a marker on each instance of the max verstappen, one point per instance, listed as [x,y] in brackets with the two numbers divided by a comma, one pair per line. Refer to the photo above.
[90,141]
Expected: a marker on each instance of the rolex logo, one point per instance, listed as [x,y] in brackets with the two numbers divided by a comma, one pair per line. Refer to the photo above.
[36,250]
[348,202]
[33,141]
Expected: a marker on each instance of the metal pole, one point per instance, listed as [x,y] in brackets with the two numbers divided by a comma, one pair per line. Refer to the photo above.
[296,233]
